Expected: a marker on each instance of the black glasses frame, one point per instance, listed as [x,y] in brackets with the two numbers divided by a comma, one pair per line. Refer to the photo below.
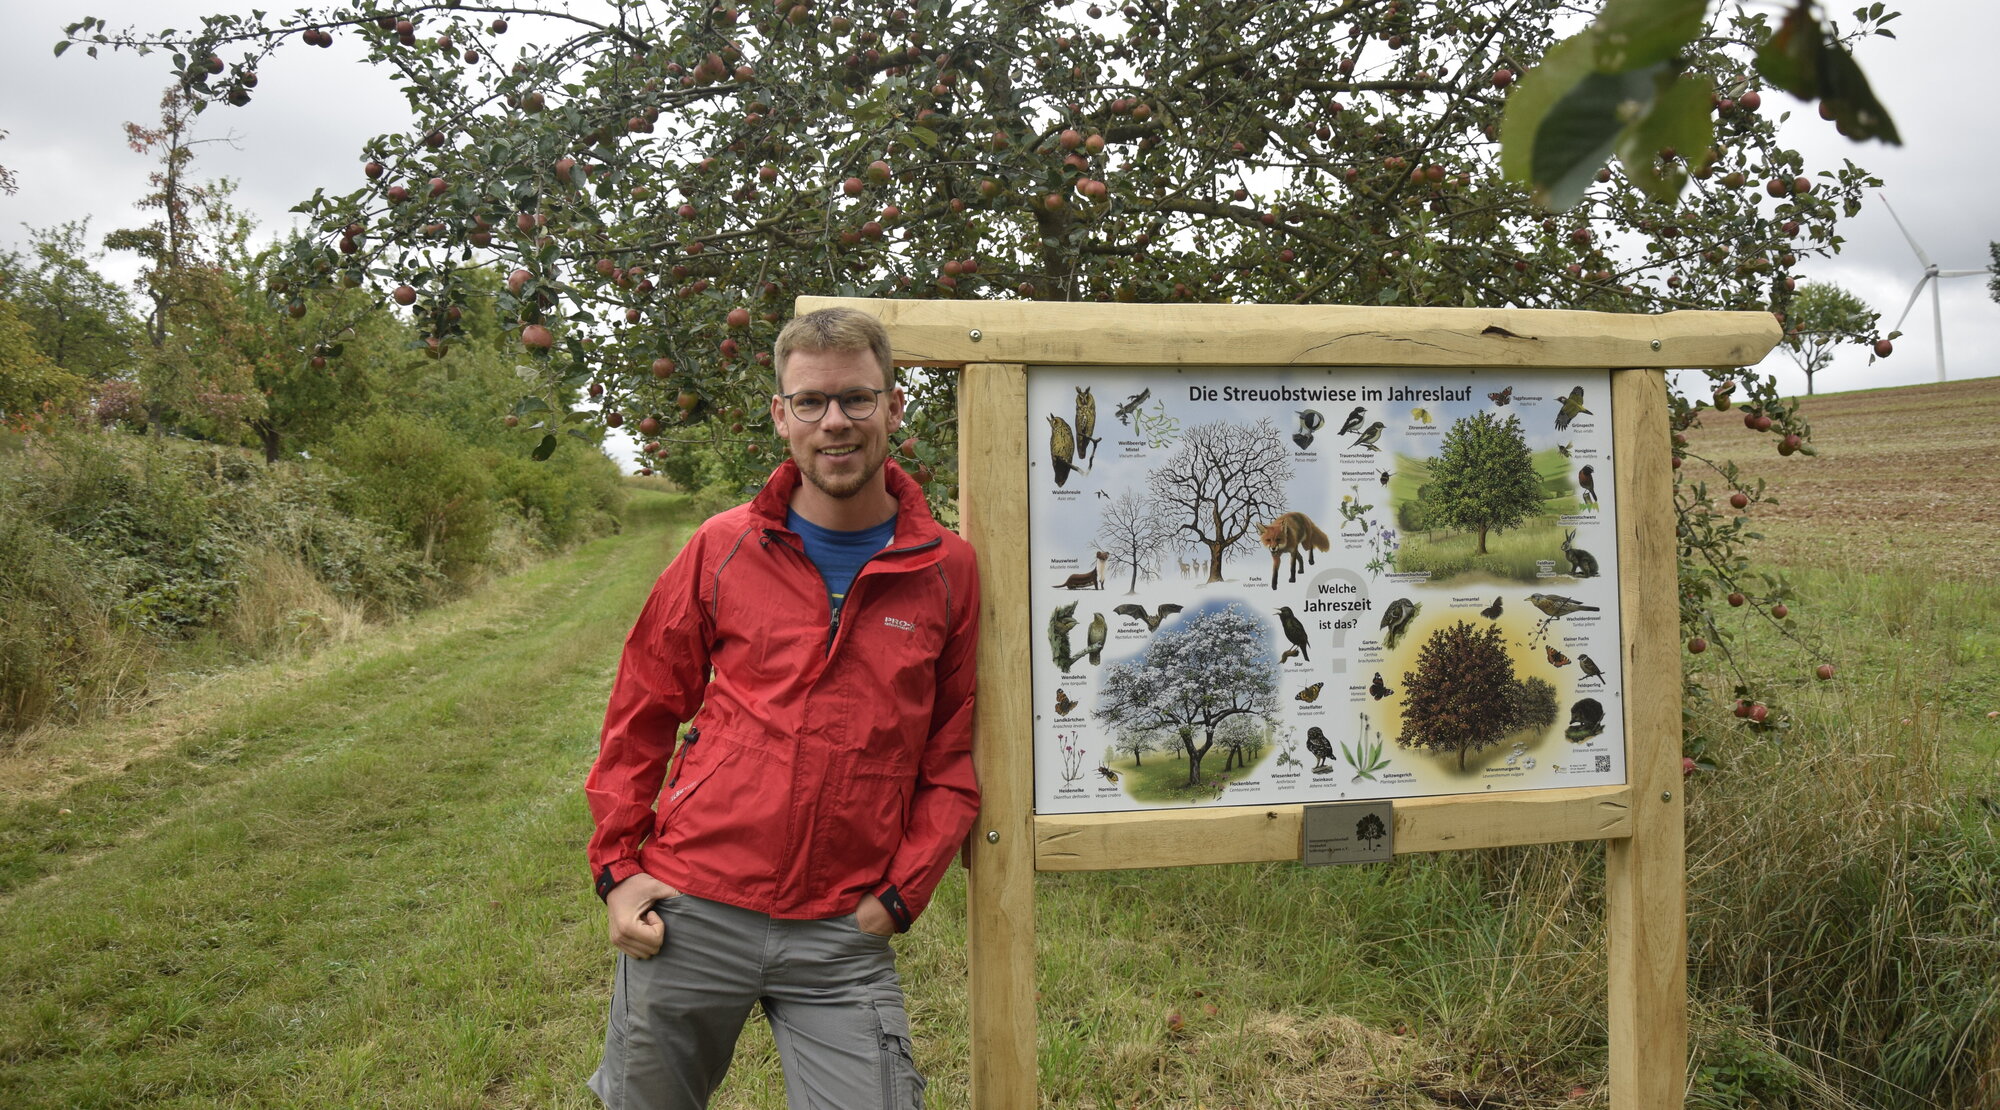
[846,409]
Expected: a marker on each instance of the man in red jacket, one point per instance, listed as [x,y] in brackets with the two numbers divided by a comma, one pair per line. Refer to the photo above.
[820,639]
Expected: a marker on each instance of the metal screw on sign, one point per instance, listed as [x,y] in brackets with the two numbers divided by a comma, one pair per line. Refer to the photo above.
[1666,795]
[1656,344]
[975,335]
[993,837]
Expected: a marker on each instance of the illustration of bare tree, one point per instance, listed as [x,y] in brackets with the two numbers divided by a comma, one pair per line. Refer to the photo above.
[1225,481]
[1134,532]
[1194,676]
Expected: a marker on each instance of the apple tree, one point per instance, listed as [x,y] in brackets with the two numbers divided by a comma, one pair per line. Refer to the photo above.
[1194,677]
[1463,696]
[1483,478]
[658,181]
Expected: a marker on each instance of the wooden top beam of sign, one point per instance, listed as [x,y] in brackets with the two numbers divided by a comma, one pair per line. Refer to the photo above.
[941,333]
[1258,834]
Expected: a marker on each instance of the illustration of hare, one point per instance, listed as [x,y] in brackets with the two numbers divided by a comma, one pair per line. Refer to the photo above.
[1582,564]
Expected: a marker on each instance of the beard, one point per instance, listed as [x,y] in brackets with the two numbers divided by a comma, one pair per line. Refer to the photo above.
[840,486]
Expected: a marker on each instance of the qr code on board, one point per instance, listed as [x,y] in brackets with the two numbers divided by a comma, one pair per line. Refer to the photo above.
[1603,765]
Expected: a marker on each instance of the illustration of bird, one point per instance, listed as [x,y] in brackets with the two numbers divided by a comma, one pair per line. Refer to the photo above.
[1354,419]
[1095,641]
[1572,407]
[1379,689]
[1104,495]
[1589,668]
[1060,623]
[1492,612]
[1320,747]
[1310,693]
[1310,422]
[1587,478]
[1062,447]
[1286,656]
[1554,607]
[1294,631]
[1503,397]
[1586,719]
[1138,613]
[1420,416]
[1557,658]
[1368,437]
[1109,774]
[1131,405]
[1086,423]
[1566,448]
[1396,620]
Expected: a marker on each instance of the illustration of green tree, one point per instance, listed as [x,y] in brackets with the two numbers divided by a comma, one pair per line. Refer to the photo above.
[1194,676]
[1483,479]
[1134,532]
[1225,481]
[1463,694]
[1135,743]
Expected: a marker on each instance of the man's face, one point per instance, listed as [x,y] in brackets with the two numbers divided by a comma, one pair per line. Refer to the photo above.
[840,457]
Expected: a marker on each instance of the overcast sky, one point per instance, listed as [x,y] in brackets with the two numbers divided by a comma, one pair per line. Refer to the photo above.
[315,109]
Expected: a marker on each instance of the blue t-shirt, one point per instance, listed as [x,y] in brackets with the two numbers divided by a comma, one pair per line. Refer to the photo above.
[840,555]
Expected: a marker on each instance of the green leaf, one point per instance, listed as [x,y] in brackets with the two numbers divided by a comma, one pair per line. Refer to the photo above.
[1679,118]
[1857,113]
[1633,34]
[1566,118]
[61,46]
[1790,58]
[923,135]
[544,449]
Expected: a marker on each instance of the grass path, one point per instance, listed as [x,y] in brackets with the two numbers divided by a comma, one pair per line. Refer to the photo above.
[354,884]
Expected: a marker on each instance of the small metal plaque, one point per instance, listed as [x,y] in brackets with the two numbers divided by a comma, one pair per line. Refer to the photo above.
[1348,832]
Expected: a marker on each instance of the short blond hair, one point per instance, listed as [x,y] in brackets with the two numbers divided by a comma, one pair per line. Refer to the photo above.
[833,329]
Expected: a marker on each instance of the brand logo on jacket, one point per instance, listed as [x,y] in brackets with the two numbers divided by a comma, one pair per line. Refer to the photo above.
[894,623]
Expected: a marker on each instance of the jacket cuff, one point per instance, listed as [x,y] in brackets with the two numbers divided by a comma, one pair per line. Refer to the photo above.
[613,873]
[899,911]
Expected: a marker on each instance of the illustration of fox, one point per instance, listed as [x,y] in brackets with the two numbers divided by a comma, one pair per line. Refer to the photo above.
[1286,535]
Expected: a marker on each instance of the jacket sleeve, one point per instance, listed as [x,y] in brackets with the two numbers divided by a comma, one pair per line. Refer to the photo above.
[946,798]
[659,685]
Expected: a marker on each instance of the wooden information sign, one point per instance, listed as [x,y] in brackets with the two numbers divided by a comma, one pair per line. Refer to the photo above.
[1333,521]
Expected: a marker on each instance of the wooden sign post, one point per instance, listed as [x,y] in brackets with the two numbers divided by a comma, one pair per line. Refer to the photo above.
[1000,345]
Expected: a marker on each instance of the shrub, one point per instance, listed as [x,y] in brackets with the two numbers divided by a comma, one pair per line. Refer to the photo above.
[410,475]
[57,648]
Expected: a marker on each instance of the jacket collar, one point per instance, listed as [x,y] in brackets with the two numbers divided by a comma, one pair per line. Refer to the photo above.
[915,527]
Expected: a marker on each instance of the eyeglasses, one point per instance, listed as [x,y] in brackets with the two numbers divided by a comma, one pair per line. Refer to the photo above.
[810,405]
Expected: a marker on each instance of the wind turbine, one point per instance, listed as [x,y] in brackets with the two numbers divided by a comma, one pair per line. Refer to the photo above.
[1931,274]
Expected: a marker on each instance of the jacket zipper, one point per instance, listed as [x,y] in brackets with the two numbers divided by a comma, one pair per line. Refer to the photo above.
[833,623]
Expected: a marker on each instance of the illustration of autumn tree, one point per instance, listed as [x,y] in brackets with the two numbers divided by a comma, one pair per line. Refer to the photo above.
[1134,533]
[1226,480]
[1463,694]
[1193,677]
[1483,478]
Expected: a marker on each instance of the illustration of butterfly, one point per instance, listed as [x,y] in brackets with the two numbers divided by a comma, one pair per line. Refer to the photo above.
[1557,658]
[1310,693]
[1064,703]
[1503,396]
[1379,689]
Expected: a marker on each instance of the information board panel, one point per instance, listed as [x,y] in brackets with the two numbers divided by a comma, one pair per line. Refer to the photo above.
[1280,586]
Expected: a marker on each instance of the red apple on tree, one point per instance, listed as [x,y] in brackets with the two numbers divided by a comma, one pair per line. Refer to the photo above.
[538,337]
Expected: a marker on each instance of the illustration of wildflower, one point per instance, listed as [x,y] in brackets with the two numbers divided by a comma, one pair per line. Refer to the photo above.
[1366,756]
[1072,757]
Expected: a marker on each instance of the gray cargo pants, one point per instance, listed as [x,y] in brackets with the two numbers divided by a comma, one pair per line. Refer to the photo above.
[828,989]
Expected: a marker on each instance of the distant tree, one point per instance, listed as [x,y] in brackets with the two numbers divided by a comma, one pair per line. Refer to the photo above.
[1194,676]
[1534,704]
[9,183]
[1134,532]
[1993,283]
[1243,738]
[1135,743]
[1484,478]
[1822,316]
[29,379]
[1226,479]
[80,319]
[1463,694]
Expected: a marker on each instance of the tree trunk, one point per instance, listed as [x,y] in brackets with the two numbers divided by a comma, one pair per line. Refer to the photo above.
[1482,539]
[271,437]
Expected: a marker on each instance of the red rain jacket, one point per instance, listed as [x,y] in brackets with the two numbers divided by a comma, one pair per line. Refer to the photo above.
[828,760]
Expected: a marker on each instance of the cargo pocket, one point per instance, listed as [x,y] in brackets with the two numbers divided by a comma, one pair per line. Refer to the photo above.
[902,1086]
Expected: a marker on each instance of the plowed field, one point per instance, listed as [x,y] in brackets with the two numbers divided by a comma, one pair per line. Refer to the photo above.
[1904,477]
